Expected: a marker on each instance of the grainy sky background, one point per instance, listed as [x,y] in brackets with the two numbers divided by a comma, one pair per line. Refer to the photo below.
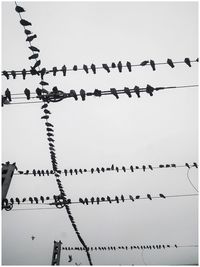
[103,131]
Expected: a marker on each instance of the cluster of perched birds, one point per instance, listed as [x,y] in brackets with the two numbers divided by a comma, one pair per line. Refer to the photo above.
[85,67]
[122,247]
[97,170]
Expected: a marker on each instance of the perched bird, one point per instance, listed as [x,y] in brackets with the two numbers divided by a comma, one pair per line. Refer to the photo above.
[24,199]
[80,170]
[131,168]
[97,199]
[8,94]
[103,169]
[82,93]
[109,199]
[152,63]
[187,61]
[149,196]
[117,169]
[37,64]
[173,165]
[33,71]
[162,196]
[25,22]
[44,106]
[42,72]
[137,91]
[187,165]
[64,70]
[98,170]
[86,201]
[170,63]
[54,71]
[117,199]
[144,168]
[46,111]
[81,200]
[103,199]
[27,32]
[34,49]
[161,166]
[114,92]
[24,74]
[119,66]
[34,172]
[131,197]
[127,91]
[43,83]
[17,200]
[105,66]
[30,38]
[113,65]
[73,94]
[128,64]
[32,237]
[50,129]
[76,171]
[150,167]
[47,172]
[195,165]
[137,197]
[149,90]
[13,73]
[19,9]
[70,258]
[85,67]
[92,200]
[97,92]
[31,200]
[34,56]
[112,167]
[93,68]
[123,168]
[122,198]
[46,117]
[36,200]
[144,63]
[71,171]
[5,73]
[39,92]
[75,67]
[49,124]
[27,172]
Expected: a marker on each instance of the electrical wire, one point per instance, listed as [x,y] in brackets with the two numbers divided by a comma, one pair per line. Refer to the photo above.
[190,180]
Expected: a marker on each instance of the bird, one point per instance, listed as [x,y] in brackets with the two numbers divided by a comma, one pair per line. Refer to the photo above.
[114,92]
[137,197]
[25,22]
[97,199]
[144,168]
[82,94]
[50,129]
[131,197]
[150,167]
[137,91]
[92,200]
[36,200]
[17,200]
[46,117]
[173,165]
[24,74]
[117,169]
[105,66]
[73,94]
[30,38]
[34,56]
[8,94]
[70,258]
[122,198]
[19,9]
[187,165]
[46,111]
[128,64]
[32,237]
[47,172]
[162,196]
[144,63]
[27,32]
[97,92]
[75,67]
[119,66]
[195,165]
[152,63]
[149,196]
[71,171]
[98,170]
[76,171]
[49,124]
[170,63]
[27,172]
[24,199]
[127,91]
[103,199]
[103,169]
[161,166]
[39,92]
[123,168]
[167,165]
[117,199]
[108,199]
[44,106]
[81,200]
[64,70]
[5,73]
[131,168]
[37,64]
[86,201]
[34,49]
[34,172]
[93,68]
[187,61]
[31,200]
[112,167]
[80,170]
[43,83]
[149,90]
[13,73]
[85,67]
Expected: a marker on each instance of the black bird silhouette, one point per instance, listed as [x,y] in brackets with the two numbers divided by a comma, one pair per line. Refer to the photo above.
[27,172]
[113,65]
[46,111]
[80,170]
[85,67]
[123,168]
[24,199]
[92,200]
[128,64]
[195,165]
[97,92]
[44,106]
[42,72]
[86,201]
[119,66]
[30,38]
[73,94]
[82,93]
[32,237]
[149,90]
[43,173]
[33,71]
[131,197]
[13,73]
[49,124]
[112,167]
[149,196]
[162,196]
[36,200]
[5,73]
[34,49]
[64,70]
[8,94]
[34,172]
[144,63]
[103,199]
[144,168]
[137,91]
[24,74]
[117,199]
[131,168]
[161,166]
[117,169]
[152,63]
[39,92]
[76,171]
[71,171]
[137,197]
[81,200]
[25,22]
[173,165]
[43,83]
[167,165]
[187,165]
[19,9]
[27,32]
[37,64]
[93,68]
[34,56]
[47,172]
[39,172]
[46,117]
[50,129]
[98,170]
[127,91]
[150,167]
[109,199]
[75,67]
[105,66]
[31,200]
[187,61]
[170,63]
[54,71]
[12,200]
[114,92]
[70,258]
[122,198]
[17,200]
[97,199]
[103,169]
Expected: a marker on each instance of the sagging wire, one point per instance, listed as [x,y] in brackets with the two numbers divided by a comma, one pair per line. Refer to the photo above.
[188,170]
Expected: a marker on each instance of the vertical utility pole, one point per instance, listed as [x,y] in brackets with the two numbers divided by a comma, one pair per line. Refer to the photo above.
[56,253]
[7,174]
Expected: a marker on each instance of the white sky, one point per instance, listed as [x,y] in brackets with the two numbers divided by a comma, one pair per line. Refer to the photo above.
[103,131]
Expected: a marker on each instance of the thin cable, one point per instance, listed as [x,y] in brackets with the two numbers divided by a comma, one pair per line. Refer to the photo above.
[190,180]
[143,257]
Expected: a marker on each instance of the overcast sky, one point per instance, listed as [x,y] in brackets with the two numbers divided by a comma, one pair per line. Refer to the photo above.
[103,131]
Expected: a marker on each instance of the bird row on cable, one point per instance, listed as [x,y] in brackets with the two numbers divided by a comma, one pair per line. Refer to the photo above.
[32,200]
[99,170]
[122,247]
[93,68]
